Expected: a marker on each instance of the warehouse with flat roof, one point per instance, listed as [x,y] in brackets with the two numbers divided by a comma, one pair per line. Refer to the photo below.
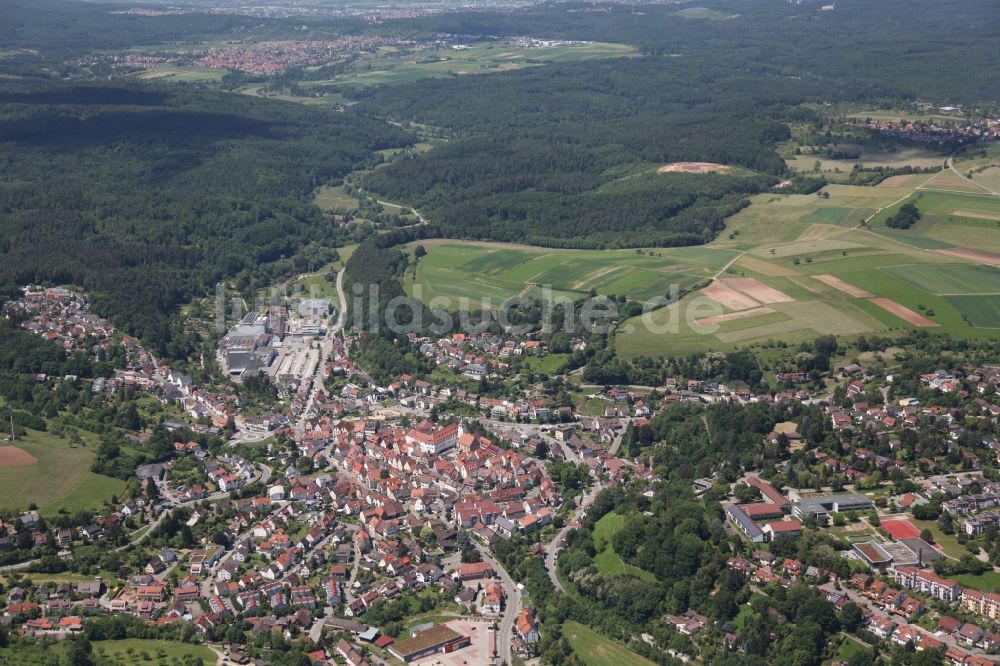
[438,639]
[823,505]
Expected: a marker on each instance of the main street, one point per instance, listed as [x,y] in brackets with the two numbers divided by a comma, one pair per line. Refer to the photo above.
[511,609]
[325,348]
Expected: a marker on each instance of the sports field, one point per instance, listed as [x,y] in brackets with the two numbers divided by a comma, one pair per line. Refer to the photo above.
[900,529]
[596,650]
[500,271]
[61,477]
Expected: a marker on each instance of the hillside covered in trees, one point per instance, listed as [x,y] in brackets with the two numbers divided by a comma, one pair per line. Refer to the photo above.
[148,196]
[551,155]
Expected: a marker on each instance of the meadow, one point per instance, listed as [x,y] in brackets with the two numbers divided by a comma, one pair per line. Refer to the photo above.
[130,652]
[607,560]
[596,650]
[60,479]
[329,197]
[869,157]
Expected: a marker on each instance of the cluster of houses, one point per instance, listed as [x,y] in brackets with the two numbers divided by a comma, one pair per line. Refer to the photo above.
[900,609]
[476,356]
[979,131]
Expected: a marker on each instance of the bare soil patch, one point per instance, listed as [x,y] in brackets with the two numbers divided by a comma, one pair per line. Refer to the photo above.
[12,456]
[845,287]
[820,232]
[765,267]
[693,167]
[973,255]
[759,291]
[903,312]
[728,297]
[977,214]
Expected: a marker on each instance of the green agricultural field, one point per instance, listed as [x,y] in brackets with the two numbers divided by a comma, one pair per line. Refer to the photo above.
[391,67]
[60,479]
[498,271]
[944,209]
[596,650]
[184,74]
[916,157]
[154,652]
[950,278]
[982,311]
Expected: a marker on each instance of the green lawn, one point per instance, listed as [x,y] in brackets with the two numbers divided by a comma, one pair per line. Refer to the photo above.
[949,544]
[60,479]
[848,647]
[986,582]
[596,650]
[607,560]
[546,364]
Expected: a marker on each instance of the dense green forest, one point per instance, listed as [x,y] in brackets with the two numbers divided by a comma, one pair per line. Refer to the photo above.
[925,49]
[549,155]
[148,196]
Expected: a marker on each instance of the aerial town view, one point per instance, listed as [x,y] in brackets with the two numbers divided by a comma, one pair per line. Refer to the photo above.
[499,333]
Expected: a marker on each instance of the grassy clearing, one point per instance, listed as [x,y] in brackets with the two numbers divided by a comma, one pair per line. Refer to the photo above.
[547,365]
[607,560]
[848,647]
[328,198]
[596,650]
[60,479]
